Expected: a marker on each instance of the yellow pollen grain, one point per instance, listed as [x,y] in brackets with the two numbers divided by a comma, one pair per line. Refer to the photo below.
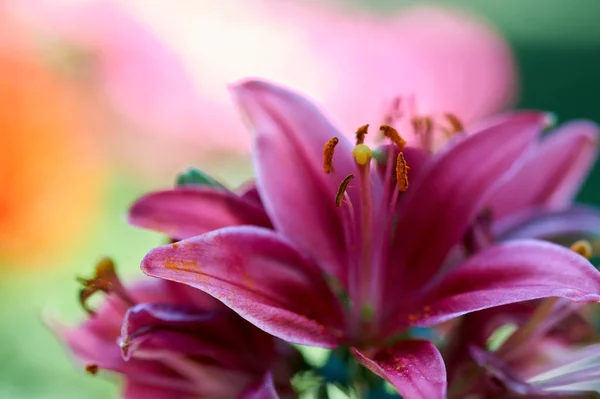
[393,135]
[328,155]
[412,317]
[402,172]
[362,154]
[361,132]
[342,190]
[583,248]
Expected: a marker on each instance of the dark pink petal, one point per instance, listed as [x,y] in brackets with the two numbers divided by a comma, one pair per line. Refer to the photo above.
[439,206]
[507,273]
[221,335]
[571,224]
[299,197]
[553,174]
[415,368]
[261,277]
[190,211]
[137,390]
[503,373]
[249,192]
[263,389]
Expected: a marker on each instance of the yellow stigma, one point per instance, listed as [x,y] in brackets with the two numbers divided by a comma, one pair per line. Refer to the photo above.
[583,248]
[362,154]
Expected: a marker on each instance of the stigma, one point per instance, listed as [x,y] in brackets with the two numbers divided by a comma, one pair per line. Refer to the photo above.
[362,154]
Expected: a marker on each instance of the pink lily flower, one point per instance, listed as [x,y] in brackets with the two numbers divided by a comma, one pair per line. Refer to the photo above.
[170,341]
[358,264]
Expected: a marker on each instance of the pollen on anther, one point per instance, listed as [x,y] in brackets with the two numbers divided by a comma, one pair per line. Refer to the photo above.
[393,135]
[92,369]
[402,172]
[328,155]
[342,190]
[361,132]
[455,123]
[583,248]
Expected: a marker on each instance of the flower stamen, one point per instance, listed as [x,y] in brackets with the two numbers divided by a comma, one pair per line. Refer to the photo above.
[456,126]
[105,280]
[328,155]
[342,190]
[583,248]
[393,135]
[361,132]
[402,172]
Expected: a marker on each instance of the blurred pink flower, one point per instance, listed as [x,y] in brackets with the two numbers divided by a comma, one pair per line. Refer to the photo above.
[164,66]
[170,341]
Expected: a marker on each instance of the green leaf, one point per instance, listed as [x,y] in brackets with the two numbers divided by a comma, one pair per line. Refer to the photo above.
[196,177]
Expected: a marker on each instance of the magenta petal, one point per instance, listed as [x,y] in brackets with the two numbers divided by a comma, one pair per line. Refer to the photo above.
[299,197]
[190,211]
[263,389]
[511,272]
[553,174]
[138,390]
[414,367]
[260,276]
[438,208]
[570,224]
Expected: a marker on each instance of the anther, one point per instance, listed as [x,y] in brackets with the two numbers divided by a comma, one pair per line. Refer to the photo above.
[328,155]
[342,190]
[422,125]
[456,126]
[91,369]
[361,132]
[362,154]
[393,135]
[402,172]
[583,248]
[105,280]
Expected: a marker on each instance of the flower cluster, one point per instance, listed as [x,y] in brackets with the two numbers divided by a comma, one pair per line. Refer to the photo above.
[458,271]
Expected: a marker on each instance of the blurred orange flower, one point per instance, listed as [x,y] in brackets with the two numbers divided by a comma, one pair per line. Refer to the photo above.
[49,170]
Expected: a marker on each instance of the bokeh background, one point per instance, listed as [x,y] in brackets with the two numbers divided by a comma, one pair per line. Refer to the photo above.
[101,101]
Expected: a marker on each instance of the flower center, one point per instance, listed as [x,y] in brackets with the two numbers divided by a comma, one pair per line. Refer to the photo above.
[373,230]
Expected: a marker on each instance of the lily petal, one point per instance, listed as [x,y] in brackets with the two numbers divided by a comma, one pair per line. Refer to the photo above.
[579,222]
[192,332]
[258,275]
[263,389]
[511,272]
[137,390]
[299,197]
[414,367]
[553,174]
[190,211]
[439,206]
